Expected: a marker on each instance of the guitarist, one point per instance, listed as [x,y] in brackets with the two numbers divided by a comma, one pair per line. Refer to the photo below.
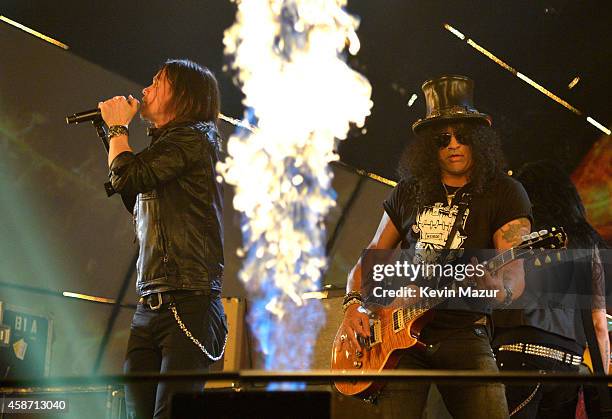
[455,157]
[549,316]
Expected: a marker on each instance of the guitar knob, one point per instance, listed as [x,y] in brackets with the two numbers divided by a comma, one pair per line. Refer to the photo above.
[358,354]
[357,364]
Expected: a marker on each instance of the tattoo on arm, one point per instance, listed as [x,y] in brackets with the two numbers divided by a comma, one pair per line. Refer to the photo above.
[597,282]
[510,233]
[513,231]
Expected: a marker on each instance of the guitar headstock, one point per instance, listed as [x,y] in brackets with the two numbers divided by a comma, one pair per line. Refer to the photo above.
[540,242]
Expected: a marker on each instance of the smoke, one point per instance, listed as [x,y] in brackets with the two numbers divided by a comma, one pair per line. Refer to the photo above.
[299,91]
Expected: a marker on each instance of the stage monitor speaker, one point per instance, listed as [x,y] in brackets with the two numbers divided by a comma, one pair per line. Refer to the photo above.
[221,404]
[253,405]
[25,342]
[91,402]
[236,356]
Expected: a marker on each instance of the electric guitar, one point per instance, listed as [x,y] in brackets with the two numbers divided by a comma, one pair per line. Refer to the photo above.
[396,329]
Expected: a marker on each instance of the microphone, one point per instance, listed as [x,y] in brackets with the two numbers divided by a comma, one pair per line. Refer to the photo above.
[85,116]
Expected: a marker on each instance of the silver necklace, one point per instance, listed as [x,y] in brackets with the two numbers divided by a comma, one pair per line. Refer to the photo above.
[450,196]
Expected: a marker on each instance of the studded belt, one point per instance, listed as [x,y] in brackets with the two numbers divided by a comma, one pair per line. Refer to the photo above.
[156,300]
[543,351]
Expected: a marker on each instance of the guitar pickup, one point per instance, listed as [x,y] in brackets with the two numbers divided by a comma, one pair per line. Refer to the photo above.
[399,322]
[375,332]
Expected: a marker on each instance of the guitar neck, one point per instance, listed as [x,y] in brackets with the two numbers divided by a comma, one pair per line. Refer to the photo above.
[497,262]
[492,265]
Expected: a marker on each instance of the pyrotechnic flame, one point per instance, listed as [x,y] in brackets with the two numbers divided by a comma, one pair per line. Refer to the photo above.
[288,58]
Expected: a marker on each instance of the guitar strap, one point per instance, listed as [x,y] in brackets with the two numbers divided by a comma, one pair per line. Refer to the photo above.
[463,205]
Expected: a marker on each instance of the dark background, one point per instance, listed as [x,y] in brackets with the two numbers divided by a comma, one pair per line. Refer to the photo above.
[403,44]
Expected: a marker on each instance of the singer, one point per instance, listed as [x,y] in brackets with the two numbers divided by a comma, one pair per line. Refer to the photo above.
[178,221]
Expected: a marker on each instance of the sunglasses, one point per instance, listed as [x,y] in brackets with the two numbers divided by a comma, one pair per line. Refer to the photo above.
[442,140]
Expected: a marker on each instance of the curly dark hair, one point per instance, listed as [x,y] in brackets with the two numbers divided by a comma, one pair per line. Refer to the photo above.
[420,168]
[555,202]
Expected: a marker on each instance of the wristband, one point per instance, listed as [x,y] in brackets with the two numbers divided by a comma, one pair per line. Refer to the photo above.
[352,295]
[116,130]
[349,303]
[507,299]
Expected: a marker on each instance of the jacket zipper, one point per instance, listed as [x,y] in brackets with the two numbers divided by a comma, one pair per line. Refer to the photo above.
[134,218]
[165,258]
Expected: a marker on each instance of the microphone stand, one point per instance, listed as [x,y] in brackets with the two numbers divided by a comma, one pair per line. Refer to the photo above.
[98,124]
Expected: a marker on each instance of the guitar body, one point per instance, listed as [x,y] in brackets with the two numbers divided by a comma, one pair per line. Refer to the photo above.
[395,329]
[391,331]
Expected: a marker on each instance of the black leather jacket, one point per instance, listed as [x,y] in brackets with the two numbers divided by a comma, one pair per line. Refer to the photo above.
[178,211]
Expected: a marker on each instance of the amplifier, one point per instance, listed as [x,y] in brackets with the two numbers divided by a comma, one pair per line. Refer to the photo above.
[236,356]
[93,402]
[25,344]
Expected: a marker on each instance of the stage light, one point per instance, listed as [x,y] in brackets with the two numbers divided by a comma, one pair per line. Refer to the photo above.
[454,31]
[547,93]
[573,82]
[598,125]
[237,122]
[412,99]
[320,295]
[88,297]
[33,32]
[525,78]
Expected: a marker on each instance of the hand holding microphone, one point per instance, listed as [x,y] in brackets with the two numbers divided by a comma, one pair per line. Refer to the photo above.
[119,110]
[95,115]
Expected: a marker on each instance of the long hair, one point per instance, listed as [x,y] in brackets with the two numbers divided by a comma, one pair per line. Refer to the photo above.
[420,167]
[195,91]
[555,202]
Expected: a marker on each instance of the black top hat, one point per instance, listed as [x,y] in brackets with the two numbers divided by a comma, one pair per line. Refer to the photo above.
[449,98]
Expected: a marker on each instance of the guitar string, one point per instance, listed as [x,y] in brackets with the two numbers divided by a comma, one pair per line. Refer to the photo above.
[409,318]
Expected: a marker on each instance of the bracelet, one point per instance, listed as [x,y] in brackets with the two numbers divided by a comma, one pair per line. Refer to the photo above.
[351,295]
[507,299]
[349,303]
[116,130]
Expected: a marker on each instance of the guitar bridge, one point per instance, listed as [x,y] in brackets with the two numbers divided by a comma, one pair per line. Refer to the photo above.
[375,332]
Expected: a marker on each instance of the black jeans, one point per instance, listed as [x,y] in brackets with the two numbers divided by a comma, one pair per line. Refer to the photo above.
[547,401]
[157,344]
[465,348]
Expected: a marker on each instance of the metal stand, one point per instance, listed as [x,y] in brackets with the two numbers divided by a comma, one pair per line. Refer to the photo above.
[98,124]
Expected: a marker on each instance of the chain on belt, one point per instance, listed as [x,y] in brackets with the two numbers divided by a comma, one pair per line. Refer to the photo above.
[194,339]
[542,351]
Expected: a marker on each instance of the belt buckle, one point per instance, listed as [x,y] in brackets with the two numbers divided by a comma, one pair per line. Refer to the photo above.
[159,302]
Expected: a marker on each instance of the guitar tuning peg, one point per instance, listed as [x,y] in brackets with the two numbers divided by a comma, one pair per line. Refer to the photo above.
[533,235]
[525,237]
[543,232]
[547,259]
[537,262]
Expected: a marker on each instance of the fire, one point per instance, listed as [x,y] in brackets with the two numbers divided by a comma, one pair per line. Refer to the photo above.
[302,96]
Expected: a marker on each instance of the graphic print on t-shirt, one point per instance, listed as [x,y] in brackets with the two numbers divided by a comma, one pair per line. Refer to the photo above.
[433,224]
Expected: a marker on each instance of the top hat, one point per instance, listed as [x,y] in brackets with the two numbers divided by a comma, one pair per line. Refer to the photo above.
[449,98]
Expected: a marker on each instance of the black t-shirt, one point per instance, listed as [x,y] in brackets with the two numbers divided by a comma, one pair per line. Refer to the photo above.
[502,202]
[428,226]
